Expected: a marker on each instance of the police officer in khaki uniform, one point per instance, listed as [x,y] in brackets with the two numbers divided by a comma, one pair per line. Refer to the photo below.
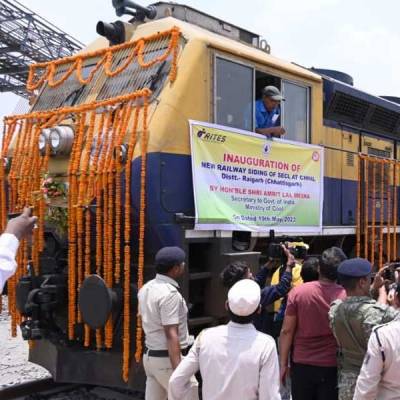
[163,312]
[353,319]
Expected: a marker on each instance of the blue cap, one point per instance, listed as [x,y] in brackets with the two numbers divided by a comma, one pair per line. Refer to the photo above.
[355,267]
[170,256]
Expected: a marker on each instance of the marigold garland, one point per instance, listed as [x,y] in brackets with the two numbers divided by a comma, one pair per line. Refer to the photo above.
[49,69]
[127,252]
[87,266]
[395,185]
[382,180]
[143,140]
[118,207]
[389,213]
[72,224]
[95,173]
[99,200]
[82,188]
[109,207]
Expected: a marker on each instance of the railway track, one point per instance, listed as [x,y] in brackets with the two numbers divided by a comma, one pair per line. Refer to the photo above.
[47,389]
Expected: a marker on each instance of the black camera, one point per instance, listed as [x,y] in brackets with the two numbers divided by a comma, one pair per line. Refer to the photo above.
[295,245]
[389,272]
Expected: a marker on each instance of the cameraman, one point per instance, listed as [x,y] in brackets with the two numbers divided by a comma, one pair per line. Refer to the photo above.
[300,249]
[394,278]
[240,270]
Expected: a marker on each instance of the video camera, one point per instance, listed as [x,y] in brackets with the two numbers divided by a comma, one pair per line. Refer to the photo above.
[389,272]
[295,245]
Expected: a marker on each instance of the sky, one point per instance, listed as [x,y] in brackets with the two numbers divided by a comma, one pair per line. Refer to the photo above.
[359,37]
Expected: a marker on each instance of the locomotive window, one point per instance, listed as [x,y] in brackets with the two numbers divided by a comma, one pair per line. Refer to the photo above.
[234,94]
[295,111]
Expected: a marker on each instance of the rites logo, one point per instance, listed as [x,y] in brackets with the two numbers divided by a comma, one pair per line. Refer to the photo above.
[210,137]
[266,148]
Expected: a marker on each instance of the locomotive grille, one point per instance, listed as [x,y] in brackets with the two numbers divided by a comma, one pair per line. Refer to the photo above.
[348,108]
[362,114]
[384,119]
[372,151]
[350,159]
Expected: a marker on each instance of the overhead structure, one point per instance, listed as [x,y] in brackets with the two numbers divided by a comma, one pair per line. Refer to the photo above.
[26,38]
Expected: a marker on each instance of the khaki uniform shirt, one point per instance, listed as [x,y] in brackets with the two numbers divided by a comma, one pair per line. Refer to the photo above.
[161,304]
[236,362]
[379,379]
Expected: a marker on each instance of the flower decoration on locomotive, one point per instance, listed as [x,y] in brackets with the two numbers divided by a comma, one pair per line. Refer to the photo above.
[92,176]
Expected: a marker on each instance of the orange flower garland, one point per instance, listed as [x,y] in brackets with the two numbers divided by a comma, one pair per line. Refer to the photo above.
[87,266]
[82,187]
[106,55]
[127,252]
[72,224]
[139,330]
[95,173]
[118,193]
[82,173]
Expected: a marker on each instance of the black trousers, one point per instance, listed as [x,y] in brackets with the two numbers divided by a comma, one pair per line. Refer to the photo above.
[314,383]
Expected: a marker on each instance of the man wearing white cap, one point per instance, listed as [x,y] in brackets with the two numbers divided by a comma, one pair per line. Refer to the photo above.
[235,360]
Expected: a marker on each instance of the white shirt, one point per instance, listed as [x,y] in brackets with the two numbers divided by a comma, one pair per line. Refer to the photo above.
[236,362]
[8,251]
[378,379]
[160,304]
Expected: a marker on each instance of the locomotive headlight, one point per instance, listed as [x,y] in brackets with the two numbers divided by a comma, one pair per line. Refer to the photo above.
[55,140]
[61,139]
[43,140]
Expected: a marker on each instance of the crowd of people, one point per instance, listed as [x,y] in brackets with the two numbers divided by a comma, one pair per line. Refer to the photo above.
[337,339]
[335,331]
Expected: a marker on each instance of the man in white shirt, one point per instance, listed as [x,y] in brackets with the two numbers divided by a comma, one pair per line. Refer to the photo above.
[236,361]
[16,229]
[379,376]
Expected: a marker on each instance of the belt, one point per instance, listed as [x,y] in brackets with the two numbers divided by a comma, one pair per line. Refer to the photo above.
[162,353]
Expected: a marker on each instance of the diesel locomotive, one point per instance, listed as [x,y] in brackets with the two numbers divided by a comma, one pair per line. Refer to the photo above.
[104,158]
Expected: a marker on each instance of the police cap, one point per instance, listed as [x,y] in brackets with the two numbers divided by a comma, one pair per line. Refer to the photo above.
[355,267]
[170,256]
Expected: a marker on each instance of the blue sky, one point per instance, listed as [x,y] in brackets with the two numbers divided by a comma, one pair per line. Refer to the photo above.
[360,37]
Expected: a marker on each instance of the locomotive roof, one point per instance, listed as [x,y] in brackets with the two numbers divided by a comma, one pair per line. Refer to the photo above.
[223,43]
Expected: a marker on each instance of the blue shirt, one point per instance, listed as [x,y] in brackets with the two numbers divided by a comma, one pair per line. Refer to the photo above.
[269,294]
[265,118]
